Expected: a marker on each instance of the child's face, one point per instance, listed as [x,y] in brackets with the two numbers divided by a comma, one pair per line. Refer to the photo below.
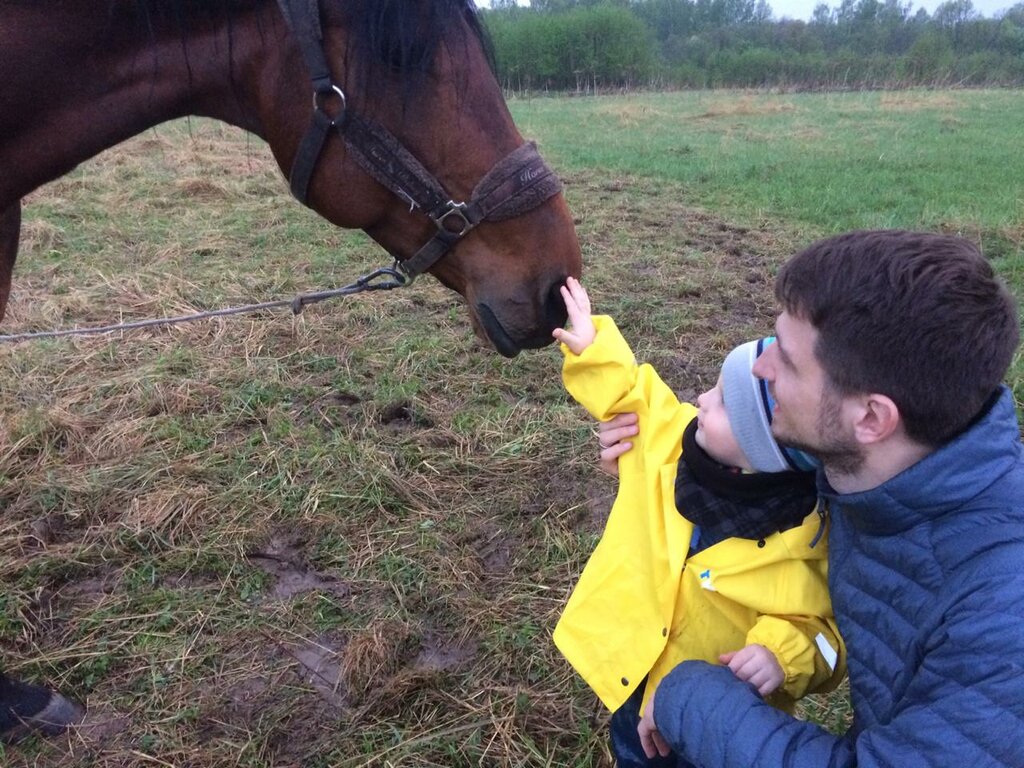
[714,432]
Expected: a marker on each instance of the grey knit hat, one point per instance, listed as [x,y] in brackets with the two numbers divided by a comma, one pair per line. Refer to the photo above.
[749,406]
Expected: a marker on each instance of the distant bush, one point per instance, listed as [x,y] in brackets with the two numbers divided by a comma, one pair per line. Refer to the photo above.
[587,45]
[584,48]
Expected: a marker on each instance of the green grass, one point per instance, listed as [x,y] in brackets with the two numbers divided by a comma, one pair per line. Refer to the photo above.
[344,540]
[827,162]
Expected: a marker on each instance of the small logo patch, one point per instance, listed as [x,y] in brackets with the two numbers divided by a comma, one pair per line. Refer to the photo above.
[705,580]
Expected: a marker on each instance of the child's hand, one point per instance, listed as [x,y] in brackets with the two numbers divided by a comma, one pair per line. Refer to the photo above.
[577,303]
[756,665]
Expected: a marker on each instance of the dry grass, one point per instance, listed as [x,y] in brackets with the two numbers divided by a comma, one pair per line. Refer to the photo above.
[912,101]
[746,105]
[342,540]
[632,115]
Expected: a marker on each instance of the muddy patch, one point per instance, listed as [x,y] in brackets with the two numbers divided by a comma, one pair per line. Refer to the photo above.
[245,697]
[490,547]
[598,505]
[445,654]
[403,415]
[320,667]
[292,575]
[367,665]
[328,411]
[102,724]
[89,591]
[47,530]
[688,378]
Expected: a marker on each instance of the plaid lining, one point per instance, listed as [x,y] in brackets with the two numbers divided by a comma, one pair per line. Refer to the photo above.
[727,503]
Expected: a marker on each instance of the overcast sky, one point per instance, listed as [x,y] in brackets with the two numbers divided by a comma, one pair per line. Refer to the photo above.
[802,9]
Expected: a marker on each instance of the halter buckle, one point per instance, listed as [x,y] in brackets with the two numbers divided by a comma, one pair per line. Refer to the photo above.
[454,221]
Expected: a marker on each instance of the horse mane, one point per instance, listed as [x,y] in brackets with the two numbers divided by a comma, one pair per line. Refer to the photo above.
[387,37]
[404,35]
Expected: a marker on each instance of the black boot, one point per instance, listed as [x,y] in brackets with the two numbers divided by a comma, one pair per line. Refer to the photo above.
[26,708]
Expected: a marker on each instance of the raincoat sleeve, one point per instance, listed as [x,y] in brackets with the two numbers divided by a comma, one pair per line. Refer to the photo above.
[606,380]
[808,648]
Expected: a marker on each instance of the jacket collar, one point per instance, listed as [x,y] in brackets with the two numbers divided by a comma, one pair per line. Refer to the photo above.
[942,481]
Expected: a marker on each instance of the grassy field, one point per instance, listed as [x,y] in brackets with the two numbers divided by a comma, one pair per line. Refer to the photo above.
[344,540]
[827,162]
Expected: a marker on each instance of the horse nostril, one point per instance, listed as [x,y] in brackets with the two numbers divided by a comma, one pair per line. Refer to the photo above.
[554,307]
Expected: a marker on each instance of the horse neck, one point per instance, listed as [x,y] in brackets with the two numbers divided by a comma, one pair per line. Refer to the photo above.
[82,81]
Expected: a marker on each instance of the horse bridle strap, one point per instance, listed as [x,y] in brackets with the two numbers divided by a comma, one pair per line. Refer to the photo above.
[516,184]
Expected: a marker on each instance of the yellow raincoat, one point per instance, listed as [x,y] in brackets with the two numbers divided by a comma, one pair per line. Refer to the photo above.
[640,607]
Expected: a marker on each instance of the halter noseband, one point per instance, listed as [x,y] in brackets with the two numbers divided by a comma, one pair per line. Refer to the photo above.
[518,183]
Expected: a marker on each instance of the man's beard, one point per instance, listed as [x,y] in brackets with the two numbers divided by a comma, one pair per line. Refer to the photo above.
[840,454]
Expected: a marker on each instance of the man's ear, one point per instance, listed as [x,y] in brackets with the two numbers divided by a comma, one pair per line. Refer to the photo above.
[877,419]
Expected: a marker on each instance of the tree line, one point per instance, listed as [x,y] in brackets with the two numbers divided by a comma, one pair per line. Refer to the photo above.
[587,45]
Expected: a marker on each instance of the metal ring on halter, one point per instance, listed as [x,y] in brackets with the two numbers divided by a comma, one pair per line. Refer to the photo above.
[408,277]
[319,96]
[454,209]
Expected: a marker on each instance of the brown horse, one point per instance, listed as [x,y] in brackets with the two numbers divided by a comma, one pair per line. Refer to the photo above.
[411,140]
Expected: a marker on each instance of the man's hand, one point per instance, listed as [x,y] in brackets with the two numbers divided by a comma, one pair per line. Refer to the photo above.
[651,739]
[756,665]
[611,436]
[577,304]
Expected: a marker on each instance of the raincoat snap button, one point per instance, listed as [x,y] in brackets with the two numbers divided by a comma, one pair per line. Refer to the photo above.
[664,631]
[760,543]
[625,681]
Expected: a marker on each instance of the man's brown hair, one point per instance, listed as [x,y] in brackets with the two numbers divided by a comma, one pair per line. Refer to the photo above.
[918,317]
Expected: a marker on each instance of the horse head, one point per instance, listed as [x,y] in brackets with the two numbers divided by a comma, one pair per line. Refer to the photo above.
[405,98]
[412,77]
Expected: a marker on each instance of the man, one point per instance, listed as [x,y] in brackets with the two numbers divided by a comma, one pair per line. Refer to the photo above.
[890,353]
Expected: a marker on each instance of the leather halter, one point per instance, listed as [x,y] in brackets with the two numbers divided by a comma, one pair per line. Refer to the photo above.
[518,183]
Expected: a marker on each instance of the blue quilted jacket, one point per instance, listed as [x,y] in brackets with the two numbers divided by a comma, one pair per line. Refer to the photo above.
[927,579]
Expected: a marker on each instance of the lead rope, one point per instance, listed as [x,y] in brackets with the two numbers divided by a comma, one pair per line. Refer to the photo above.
[389,277]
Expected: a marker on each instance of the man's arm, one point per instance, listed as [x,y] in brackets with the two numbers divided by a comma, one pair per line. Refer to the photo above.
[963,706]
[710,718]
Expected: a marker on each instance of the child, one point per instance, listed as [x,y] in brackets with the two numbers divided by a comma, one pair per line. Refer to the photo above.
[713,550]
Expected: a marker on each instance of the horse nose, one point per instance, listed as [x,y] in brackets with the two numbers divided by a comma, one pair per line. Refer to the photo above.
[555,313]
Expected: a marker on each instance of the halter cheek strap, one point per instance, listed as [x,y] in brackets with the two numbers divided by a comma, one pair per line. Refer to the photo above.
[516,184]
